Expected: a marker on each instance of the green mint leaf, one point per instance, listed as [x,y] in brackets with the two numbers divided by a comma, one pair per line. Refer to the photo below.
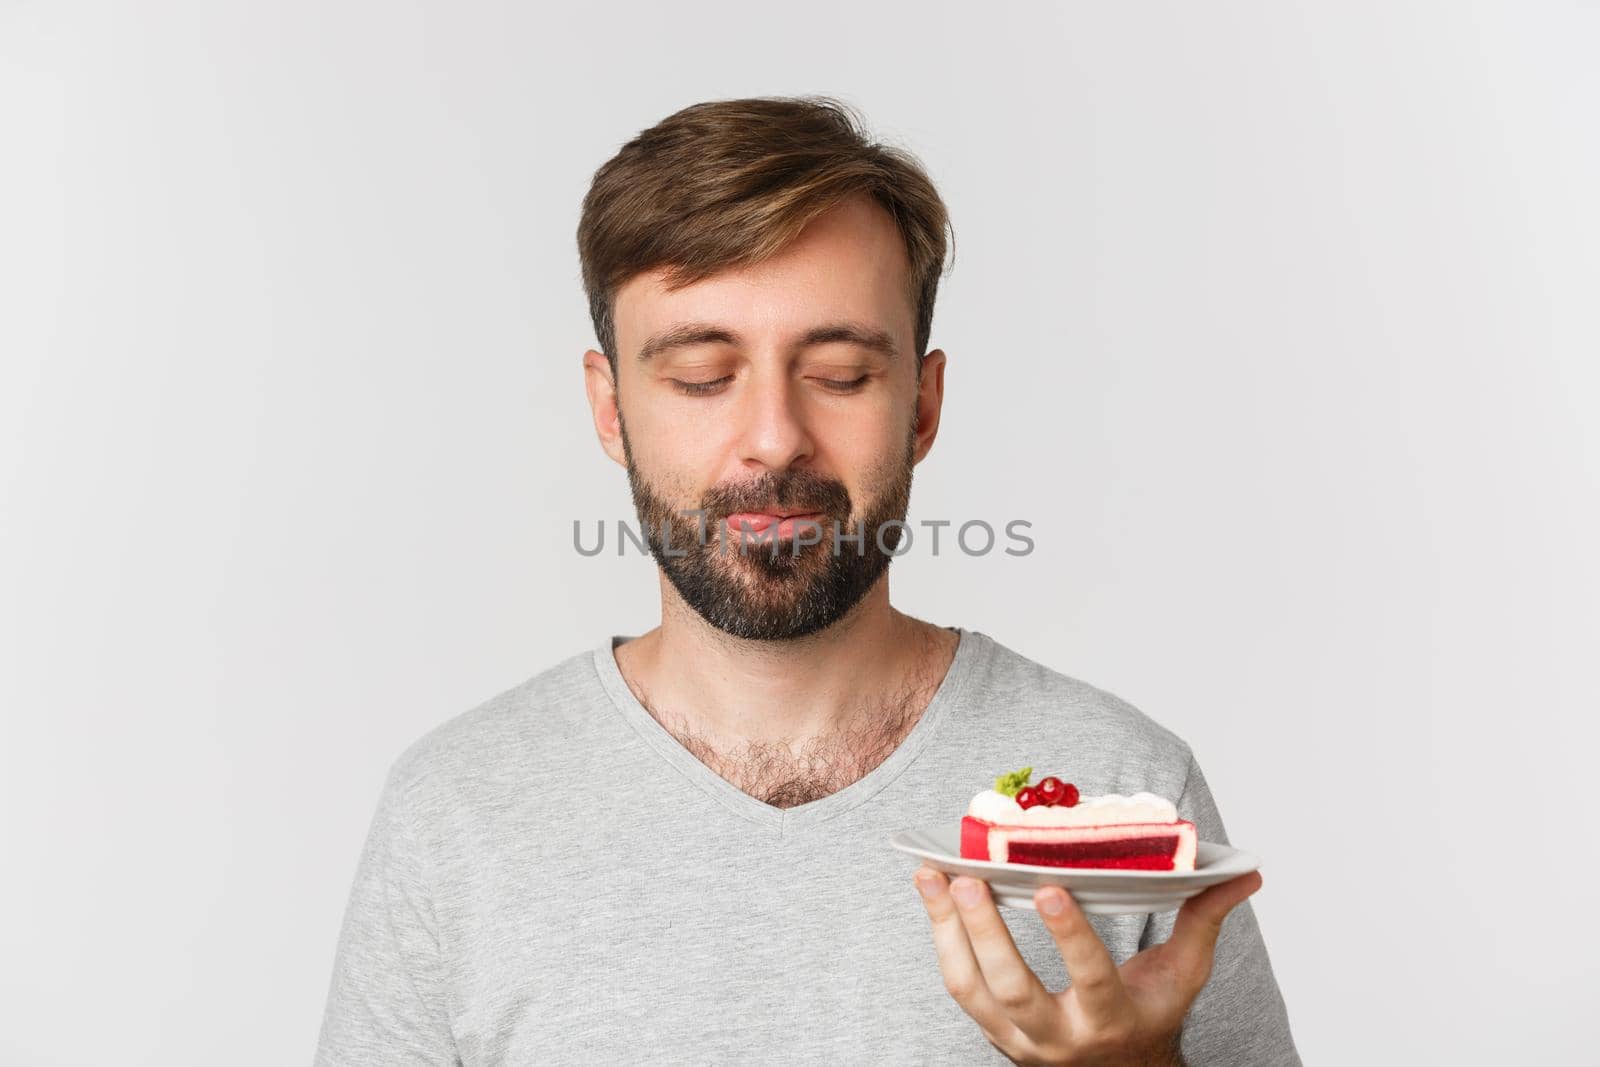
[1011,784]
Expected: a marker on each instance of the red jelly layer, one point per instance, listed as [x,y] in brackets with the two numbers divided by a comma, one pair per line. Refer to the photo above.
[1139,854]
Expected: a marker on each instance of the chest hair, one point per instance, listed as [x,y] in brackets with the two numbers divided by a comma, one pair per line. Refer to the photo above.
[776,774]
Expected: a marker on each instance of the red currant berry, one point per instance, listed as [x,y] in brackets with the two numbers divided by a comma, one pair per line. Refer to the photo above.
[1069,795]
[1027,796]
[1051,790]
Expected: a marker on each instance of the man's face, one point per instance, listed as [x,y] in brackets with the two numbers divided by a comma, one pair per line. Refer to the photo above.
[742,417]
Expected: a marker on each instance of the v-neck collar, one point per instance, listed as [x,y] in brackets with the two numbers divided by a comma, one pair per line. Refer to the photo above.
[971,647]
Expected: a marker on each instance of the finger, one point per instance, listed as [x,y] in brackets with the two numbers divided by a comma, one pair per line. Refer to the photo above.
[1026,1001]
[1199,922]
[963,979]
[1100,992]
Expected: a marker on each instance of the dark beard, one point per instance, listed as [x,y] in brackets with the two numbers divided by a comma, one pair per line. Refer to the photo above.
[774,589]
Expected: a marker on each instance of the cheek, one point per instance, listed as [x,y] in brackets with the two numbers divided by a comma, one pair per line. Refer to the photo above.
[872,474]
[864,440]
[674,460]
[862,428]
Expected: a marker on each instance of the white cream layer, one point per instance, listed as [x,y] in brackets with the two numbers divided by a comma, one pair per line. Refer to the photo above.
[1104,810]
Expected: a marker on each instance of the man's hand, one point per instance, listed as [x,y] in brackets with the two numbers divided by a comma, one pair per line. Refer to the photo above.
[1107,1016]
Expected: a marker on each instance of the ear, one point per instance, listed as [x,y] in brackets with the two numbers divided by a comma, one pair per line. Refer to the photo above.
[930,399]
[602,390]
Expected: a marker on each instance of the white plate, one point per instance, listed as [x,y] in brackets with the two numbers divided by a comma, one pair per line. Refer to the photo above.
[1098,891]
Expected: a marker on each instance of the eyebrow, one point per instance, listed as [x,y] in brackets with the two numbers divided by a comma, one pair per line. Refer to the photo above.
[686,334]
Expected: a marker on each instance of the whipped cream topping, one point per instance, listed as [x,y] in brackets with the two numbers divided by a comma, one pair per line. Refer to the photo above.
[1106,809]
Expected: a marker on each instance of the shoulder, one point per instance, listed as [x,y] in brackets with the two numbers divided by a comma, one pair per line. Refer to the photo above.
[504,736]
[1115,745]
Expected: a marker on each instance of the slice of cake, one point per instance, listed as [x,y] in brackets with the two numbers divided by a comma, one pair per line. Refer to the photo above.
[1050,825]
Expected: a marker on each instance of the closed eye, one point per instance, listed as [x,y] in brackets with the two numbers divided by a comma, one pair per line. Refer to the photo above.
[706,388]
[700,388]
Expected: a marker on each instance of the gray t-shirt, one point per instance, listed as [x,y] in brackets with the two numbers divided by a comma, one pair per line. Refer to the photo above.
[551,878]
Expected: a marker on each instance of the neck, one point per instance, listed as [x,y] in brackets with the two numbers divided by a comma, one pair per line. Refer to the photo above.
[735,692]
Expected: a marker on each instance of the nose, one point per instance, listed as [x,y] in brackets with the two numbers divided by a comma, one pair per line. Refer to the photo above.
[772,429]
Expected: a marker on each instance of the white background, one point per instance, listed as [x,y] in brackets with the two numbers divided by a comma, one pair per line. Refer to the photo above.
[1277,320]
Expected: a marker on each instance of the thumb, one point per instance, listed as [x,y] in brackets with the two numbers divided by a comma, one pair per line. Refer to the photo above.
[1199,922]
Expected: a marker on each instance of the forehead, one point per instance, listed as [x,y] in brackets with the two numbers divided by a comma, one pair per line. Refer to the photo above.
[848,264]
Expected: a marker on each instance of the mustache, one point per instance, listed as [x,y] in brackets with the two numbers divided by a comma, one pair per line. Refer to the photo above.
[793,493]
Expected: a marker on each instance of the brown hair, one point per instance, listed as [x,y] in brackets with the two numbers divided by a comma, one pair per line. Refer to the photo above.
[729,183]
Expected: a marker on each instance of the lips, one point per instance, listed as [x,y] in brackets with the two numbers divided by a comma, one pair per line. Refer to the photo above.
[760,521]
[773,516]
[774,513]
